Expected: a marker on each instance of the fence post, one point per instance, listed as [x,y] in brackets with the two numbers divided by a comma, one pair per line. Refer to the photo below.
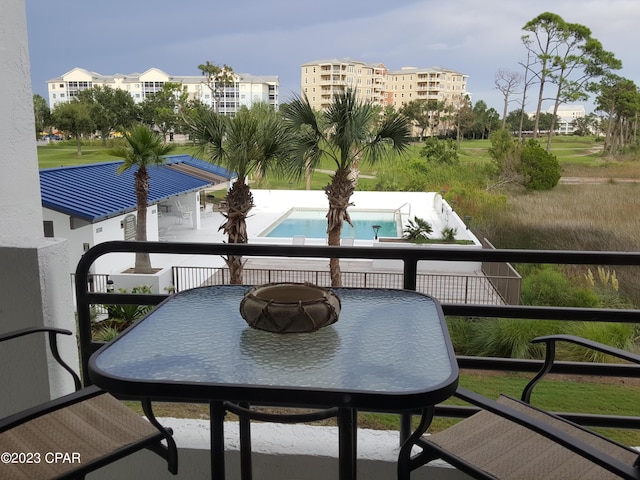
[466,289]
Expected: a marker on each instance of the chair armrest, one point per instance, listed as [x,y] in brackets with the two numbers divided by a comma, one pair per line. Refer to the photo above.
[53,345]
[600,347]
[558,436]
[550,355]
[29,330]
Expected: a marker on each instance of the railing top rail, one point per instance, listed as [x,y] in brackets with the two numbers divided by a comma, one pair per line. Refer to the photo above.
[401,252]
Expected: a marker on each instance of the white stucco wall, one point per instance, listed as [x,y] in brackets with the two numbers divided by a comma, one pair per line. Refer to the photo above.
[34,284]
[21,212]
[93,234]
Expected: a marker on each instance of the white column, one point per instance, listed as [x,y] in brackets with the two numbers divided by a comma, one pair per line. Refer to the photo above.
[35,288]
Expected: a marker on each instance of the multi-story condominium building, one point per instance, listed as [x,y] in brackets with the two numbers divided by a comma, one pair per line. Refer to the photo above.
[440,84]
[567,114]
[322,79]
[246,89]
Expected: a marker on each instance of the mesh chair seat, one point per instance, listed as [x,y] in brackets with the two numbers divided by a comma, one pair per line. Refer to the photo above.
[90,431]
[75,434]
[503,449]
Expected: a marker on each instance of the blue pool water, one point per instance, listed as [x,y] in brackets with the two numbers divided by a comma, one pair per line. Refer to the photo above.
[312,223]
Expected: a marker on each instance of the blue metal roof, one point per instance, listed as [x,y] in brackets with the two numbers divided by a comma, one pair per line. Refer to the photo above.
[97,191]
[200,164]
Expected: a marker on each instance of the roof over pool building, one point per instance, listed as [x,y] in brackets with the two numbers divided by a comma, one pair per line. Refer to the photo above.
[91,204]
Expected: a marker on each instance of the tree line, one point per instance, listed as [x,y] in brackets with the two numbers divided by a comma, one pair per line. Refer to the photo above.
[563,63]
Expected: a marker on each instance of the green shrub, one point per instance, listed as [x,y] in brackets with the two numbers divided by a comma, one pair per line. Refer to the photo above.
[540,169]
[417,230]
[511,338]
[545,285]
[462,330]
[618,335]
[120,317]
[105,333]
[449,234]
[584,298]
[440,151]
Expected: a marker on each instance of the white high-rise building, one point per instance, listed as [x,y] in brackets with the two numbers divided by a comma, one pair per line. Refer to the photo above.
[246,89]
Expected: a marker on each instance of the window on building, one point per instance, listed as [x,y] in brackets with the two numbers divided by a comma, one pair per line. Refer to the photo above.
[48,228]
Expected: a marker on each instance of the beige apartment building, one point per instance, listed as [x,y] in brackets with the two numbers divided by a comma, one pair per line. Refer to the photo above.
[434,83]
[322,79]
[246,90]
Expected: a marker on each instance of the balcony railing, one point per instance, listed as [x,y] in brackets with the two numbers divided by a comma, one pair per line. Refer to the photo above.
[448,288]
[410,258]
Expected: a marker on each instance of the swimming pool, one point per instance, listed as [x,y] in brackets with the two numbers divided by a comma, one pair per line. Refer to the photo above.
[312,223]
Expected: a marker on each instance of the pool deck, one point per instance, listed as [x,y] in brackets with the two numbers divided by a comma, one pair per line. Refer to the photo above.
[271,205]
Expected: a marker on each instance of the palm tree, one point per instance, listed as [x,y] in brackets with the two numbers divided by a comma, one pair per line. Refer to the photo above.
[145,148]
[347,132]
[253,142]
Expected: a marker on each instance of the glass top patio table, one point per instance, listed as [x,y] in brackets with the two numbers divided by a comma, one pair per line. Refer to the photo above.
[390,350]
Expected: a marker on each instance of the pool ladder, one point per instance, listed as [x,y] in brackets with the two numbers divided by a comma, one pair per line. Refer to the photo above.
[397,216]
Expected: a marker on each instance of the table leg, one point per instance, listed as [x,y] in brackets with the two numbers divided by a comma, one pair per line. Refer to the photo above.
[217,412]
[405,427]
[246,470]
[348,442]
[404,457]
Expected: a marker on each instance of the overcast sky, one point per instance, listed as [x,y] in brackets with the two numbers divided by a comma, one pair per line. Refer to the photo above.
[275,37]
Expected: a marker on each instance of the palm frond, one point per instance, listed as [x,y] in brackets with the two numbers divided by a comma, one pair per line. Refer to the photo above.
[145,148]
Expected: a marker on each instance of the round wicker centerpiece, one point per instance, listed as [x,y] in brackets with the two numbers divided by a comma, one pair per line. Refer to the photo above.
[290,307]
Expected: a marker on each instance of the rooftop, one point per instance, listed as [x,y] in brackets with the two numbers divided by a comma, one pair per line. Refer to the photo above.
[97,191]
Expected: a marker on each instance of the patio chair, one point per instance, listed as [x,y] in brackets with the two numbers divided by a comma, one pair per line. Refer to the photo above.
[92,427]
[510,439]
[182,213]
[207,209]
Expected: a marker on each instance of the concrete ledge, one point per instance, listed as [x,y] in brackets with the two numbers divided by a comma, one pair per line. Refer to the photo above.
[280,452]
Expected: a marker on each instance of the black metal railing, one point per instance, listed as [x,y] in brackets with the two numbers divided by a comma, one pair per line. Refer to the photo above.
[410,259]
[451,288]
[503,277]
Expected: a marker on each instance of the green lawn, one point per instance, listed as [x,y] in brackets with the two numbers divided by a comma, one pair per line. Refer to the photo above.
[579,395]
[63,154]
